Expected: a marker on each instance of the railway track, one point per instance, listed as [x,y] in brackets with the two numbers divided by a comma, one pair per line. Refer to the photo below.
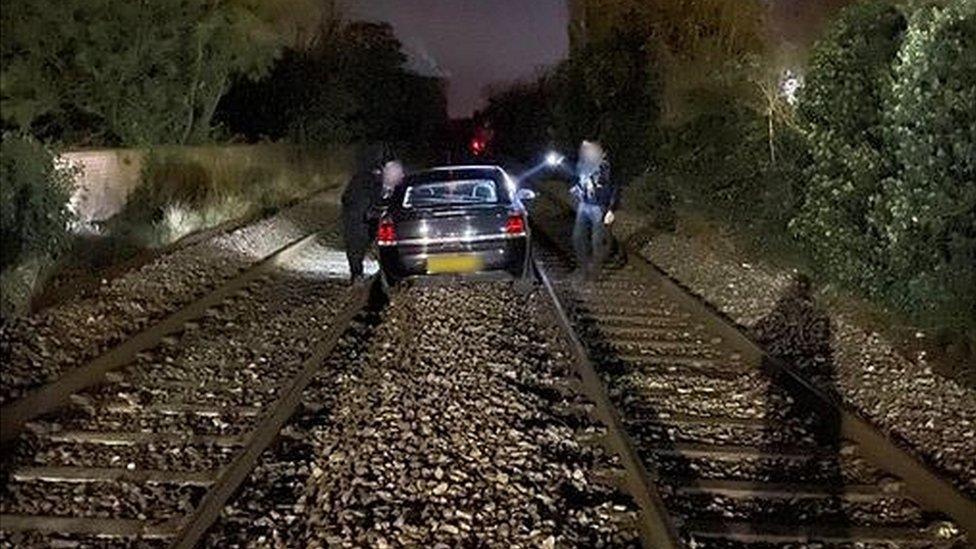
[146,443]
[46,398]
[41,348]
[705,440]
[738,449]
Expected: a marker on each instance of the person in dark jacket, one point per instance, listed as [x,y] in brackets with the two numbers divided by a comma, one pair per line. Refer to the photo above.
[596,198]
[360,200]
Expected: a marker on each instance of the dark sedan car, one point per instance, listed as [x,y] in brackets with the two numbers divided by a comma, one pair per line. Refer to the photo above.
[455,220]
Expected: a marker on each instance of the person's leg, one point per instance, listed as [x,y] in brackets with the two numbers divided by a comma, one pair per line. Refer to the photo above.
[599,239]
[357,240]
[355,258]
[581,238]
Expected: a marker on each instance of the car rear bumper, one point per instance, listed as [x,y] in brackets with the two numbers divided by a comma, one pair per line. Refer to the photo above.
[503,254]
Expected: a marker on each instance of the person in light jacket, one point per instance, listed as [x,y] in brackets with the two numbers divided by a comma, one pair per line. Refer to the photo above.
[596,197]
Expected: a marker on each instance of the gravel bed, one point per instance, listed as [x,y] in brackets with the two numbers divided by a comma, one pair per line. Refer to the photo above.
[248,350]
[444,427]
[170,456]
[36,349]
[117,499]
[32,540]
[442,441]
[887,511]
[264,338]
[266,511]
[930,414]
[269,341]
[788,443]
[847,468]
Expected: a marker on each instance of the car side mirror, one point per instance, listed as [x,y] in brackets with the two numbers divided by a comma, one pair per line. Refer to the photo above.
[525,195]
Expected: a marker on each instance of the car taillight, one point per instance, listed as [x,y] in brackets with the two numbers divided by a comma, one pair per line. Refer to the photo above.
[386,233]
[515,225]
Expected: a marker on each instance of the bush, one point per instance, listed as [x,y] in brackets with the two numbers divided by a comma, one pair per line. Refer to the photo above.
[927,210]
[189,189]
[840,109]
[34,194]
[719,163]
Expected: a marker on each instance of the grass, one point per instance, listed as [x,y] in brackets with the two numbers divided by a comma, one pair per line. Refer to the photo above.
[188,190]
[185,191]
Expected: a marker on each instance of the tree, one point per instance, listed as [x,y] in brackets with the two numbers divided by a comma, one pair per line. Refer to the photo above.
[840,109]
[927,208]
[609,89]
[130,73]
[34,194]
[346,84]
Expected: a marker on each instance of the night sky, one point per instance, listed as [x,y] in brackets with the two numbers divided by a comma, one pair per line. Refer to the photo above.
[474,43]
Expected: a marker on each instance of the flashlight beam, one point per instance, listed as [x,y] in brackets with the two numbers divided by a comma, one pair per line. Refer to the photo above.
[551,160]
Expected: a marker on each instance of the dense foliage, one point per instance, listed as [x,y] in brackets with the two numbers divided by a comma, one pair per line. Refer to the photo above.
[841,111]
[520,118]
[927,208]
[720,162]
[126,73]
[34,193]
[870,174]
[348,84]
[891,205]
[608,90]
[145,74]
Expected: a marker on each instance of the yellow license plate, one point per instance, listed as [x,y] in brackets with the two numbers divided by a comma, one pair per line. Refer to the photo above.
[453,263]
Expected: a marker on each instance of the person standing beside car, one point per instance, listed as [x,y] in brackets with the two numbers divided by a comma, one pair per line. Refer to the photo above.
[596,197]
[360,198]
[391,175]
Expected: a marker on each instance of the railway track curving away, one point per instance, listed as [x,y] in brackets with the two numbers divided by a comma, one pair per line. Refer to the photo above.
[741,450]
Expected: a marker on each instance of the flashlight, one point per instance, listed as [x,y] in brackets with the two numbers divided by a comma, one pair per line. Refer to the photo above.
[553,158]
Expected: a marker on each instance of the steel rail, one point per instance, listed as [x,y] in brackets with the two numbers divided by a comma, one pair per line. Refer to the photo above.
[220,484]
[231,477]
[657,529]
[921,482]
[47,398]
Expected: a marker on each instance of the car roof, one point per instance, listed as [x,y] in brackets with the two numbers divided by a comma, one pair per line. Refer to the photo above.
[439,172]
[466,167]
[447,173]
[451,173]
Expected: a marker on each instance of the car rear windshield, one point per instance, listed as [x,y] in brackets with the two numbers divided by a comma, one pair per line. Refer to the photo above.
[451,193]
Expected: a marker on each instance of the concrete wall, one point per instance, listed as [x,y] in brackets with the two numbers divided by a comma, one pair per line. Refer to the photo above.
[108,176]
